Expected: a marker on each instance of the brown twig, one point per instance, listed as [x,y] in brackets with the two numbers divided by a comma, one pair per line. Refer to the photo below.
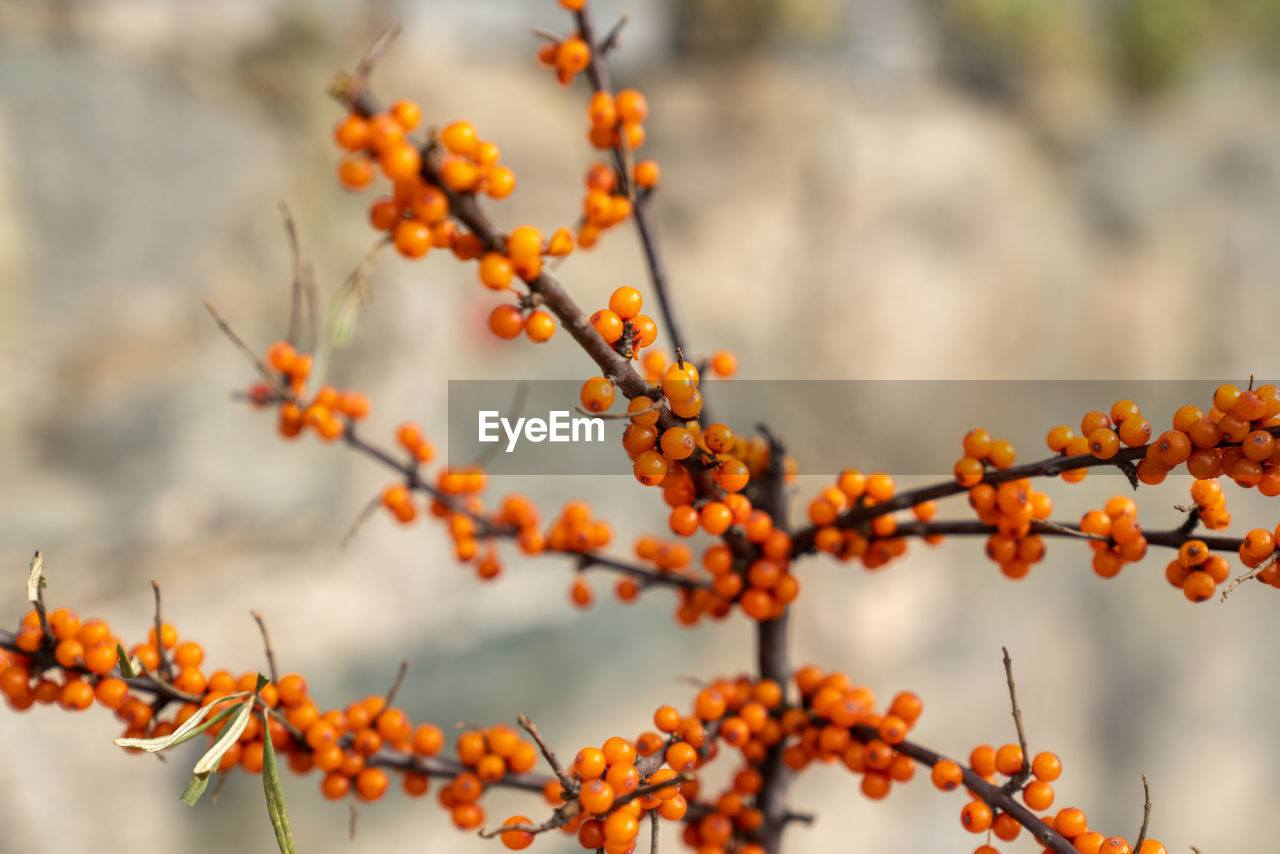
[266,645]
[570,784]
[802,541]
[390,696]
[1253,573]
[1015,782]
[166,668]
[1146,814]
[991,794]
[366,513]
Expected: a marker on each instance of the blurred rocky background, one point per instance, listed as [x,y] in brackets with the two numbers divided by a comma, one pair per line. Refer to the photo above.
[853,189]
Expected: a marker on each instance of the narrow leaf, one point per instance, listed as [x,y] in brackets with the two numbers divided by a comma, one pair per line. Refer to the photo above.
[35,579]
[275,793]
[195,789]
[126,666]
[190,728]
[229,736]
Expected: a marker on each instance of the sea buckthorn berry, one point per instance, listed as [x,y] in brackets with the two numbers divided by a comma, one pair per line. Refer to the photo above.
[371,783]
[632,106]
[601,112]
[677,443]
[352,133]
[680,383]
[647,173]
[1198,586]
[983,760]
[681,756]
[724,364]
[506,321]
[1002,454]
[608,324]
[589,763]
[1172,447]
[1070,822]
[572,56]
[1092,421]
[355,172]
[1046,766]
[977,443]
[968,471]
[1123,410]
[1038,795]
[517,840]
[976,816]
[1059,437]
[666,719]
[1006,827]
[1104,443]
[412,238]
[650,468]
[495,271]
[1135,431]
[400,162]
[597,394]
[1258,445]
[687,409]
[459,137]
[626,302]
[947,775]
[710,704]
[596,796]
[716,518]
[539,326]
[499,182]
[1114,845]
[1008,759]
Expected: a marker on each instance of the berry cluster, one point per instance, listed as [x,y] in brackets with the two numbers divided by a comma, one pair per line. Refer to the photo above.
[351,747]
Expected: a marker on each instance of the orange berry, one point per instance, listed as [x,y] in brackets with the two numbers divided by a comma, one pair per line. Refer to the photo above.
[947,775]
[506,321]
[976,816]
[632,106]
[597,394]
[355,172]
[539,325]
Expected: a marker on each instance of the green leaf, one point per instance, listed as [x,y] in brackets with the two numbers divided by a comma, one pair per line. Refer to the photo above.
[194,790]
[275,794]
[126,666]
[226,739]
[213,756]
[342,313]
[190,728]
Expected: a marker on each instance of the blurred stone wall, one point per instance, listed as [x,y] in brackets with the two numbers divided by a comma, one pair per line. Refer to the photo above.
[844,204]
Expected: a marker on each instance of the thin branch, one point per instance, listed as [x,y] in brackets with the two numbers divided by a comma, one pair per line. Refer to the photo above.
[569,783]
[266,645]
[1146,814]
[363,516]
[610,41]
[1015,782]
[988,792]
[295,262]
[390,696]
[267,374]
[802,541]
[1253,573]
[653,832]
[166,668]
